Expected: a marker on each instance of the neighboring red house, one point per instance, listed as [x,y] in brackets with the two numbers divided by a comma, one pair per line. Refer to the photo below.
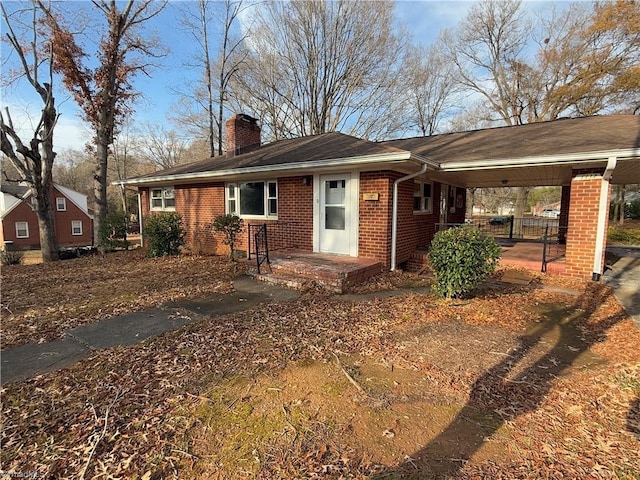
[72,221]
[337,194]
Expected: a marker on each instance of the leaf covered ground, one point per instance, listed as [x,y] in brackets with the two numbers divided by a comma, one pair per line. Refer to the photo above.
[41,301]
[517,382]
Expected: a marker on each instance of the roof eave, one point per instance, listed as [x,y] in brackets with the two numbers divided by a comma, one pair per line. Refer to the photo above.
[302,167]
[564,159]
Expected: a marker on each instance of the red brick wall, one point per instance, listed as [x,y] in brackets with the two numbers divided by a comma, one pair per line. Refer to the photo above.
[414,230]
[199,204]
[374,236]
[63,221]
[583,223]
[62,225]
[295,204]
[243,134]
[21,213]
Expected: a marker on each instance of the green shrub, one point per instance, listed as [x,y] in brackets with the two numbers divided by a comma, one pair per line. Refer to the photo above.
[230,225]
[624,236]
[11,257]
[164,234]
[113,232]
[461,258]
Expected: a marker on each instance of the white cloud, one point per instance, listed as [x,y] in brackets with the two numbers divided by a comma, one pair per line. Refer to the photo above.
[70,132]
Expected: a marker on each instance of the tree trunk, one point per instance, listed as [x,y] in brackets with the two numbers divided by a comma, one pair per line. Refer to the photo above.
[471,200]
[100,191]
[621,203]
[46,226]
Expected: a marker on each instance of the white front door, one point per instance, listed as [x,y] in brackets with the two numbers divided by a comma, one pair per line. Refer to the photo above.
[335,214]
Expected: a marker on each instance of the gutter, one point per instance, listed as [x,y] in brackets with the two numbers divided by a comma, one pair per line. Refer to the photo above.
[603,214]
[140,227]
[394,216]
[568,158]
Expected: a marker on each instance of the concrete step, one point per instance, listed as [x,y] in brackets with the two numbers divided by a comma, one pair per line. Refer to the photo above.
[300,272]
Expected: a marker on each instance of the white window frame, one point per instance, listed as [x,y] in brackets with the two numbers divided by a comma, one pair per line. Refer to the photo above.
[26,229]
[233,201]
[426,203]
[61,206]
[166,194]
[74,224]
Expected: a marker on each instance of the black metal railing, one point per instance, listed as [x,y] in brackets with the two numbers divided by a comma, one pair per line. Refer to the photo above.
[261,245]
[280,235]
[508,226]
[551,248]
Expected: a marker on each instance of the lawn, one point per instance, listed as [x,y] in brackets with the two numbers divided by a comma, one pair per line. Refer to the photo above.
[536,381]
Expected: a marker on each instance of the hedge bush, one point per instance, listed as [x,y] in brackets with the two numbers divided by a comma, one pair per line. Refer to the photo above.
[164,234]
[461,258]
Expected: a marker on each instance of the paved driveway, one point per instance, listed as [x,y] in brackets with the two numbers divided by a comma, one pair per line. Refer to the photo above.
[624,277]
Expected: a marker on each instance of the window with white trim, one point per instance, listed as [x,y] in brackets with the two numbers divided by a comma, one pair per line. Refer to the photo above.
[76,227]
[61,204]
[163,198]
[22,230]
[253,199]
[422,197]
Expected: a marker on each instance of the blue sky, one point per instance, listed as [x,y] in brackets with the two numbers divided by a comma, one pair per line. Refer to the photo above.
[424,19]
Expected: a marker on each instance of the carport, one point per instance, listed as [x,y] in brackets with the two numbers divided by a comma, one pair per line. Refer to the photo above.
[585,156]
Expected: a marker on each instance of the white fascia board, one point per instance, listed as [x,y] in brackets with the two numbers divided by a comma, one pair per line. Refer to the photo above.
[571,158]
[300,166]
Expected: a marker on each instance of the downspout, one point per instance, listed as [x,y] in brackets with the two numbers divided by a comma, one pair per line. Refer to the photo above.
[394,215]
[140,219]
[603,213]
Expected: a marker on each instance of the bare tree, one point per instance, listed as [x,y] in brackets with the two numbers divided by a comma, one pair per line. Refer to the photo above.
[486,48]
[162,148]
[34,159]
[104,93]
[221,56]
[431,87]
[586,61]
[74,169]
[320,66]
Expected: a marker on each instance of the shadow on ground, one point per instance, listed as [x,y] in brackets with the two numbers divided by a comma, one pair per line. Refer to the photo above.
[515,386]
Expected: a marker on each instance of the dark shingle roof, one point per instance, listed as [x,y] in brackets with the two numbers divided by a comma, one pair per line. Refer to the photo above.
[326,146]
[598,133]
[18,191]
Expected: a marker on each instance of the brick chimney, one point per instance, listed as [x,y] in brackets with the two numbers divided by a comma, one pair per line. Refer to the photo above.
[243,134]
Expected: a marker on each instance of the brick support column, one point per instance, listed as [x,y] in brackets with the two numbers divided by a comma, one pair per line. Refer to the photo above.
[584,214]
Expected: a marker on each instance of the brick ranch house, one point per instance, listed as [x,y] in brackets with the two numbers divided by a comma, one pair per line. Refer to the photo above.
[342,195]
[73,223]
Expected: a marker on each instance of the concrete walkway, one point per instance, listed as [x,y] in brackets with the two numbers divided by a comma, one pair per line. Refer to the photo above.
[26,361]
[624,277]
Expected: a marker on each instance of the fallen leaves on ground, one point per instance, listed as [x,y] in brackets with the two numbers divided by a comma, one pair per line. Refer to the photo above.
[39,302]
[141,411]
